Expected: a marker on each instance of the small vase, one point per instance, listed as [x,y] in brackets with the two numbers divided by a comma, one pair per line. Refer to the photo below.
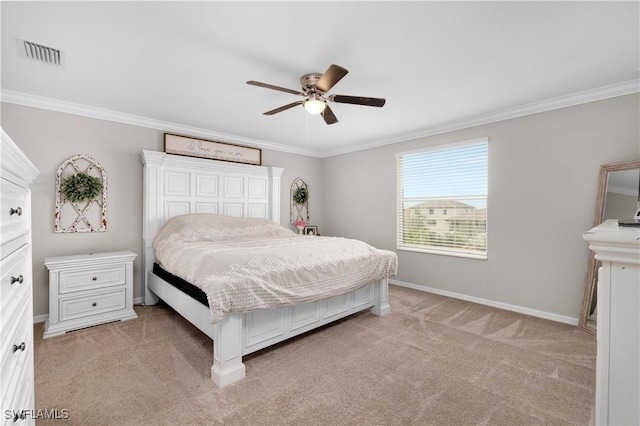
[300,228]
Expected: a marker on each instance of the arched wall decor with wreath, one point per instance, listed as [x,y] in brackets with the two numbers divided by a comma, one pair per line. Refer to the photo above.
[299,196]
[81,196]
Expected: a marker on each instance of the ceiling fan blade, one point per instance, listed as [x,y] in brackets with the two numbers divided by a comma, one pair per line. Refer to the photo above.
[331,76]
[357,100]
[283,108]
[272,87]
[329,116]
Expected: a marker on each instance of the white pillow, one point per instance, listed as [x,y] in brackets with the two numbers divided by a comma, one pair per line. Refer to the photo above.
[217,228]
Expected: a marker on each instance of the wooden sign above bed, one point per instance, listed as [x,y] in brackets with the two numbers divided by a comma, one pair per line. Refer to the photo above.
[201,148]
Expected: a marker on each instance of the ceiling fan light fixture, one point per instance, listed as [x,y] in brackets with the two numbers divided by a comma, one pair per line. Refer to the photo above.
[315,104]
[314,88]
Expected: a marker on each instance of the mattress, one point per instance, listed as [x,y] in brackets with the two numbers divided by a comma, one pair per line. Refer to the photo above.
[181,284]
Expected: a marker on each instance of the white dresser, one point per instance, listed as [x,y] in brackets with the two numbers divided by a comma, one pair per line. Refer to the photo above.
[16,287]
[618,356]
[89,289]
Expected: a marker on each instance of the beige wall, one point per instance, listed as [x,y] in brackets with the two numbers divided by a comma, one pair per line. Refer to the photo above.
[48,138]
[543,172]
[543,177]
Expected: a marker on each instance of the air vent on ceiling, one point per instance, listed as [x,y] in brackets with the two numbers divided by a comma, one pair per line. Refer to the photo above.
[40,52]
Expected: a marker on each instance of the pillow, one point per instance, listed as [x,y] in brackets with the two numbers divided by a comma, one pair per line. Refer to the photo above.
[217,228]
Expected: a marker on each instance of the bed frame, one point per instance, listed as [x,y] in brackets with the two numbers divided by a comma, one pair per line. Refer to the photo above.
[175,185]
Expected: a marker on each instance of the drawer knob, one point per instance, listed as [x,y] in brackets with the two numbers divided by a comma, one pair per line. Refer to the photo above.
[17,211]
[20,347]
[19,415]
[94,304]
[19,279]
[94,278]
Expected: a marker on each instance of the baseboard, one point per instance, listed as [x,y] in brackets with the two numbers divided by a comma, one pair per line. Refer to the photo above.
[42,318]
[508,307]
[493,303]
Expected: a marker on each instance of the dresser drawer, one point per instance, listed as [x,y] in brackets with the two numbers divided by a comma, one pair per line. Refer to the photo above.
[11,318]
[14,280]
[95,278]
[13,199]
[84,306]
[15,352]
[8,247]
[18,403]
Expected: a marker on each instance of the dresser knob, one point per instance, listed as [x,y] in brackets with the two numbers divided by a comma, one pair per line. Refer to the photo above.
[94,304]
[17,211]
[21,347]
[94,278]
[19,279]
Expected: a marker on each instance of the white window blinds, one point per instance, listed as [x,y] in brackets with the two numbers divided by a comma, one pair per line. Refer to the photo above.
[442,199]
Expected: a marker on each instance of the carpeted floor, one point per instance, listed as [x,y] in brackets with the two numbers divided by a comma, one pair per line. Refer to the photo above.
[433,360]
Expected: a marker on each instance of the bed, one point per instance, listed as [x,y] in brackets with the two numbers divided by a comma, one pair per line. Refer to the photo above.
[196,201]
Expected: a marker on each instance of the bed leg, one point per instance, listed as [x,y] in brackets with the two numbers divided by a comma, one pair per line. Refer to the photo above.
[149,297]
[382,306]
[227,351]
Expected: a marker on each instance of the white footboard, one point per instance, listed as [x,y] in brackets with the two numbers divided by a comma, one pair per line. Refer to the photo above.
[243,333]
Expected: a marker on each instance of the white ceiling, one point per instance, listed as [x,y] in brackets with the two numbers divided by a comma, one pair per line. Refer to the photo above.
[182,66]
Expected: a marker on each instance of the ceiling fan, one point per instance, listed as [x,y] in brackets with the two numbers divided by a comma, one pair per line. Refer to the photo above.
[314,88]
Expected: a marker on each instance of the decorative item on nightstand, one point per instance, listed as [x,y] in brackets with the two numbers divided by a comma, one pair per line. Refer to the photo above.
[300,224]
[311,230]
[89,289]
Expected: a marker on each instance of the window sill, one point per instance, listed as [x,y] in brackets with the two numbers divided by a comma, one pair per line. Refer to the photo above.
[467,255]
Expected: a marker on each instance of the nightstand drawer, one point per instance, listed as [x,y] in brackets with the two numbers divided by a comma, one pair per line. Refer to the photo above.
[93,279]
[80,307]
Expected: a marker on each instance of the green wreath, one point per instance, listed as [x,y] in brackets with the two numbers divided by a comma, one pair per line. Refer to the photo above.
[81,187]
[301,196]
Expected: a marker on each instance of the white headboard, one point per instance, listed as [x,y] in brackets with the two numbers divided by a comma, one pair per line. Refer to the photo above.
[175,185]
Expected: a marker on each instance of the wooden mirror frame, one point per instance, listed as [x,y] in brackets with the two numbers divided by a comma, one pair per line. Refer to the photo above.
[592,273]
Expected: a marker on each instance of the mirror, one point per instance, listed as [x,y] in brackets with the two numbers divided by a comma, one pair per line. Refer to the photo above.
[618,198]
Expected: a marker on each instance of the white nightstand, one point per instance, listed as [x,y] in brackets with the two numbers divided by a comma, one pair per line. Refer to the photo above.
[89,289]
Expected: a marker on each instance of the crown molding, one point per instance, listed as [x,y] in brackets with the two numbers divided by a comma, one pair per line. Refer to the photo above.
[611,91]
[601,93]
[25,99]
[633,192]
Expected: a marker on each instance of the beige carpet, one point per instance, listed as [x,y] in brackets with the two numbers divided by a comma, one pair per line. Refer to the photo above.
[433,360]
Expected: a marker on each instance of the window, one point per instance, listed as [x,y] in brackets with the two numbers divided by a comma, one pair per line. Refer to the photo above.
[451,182]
